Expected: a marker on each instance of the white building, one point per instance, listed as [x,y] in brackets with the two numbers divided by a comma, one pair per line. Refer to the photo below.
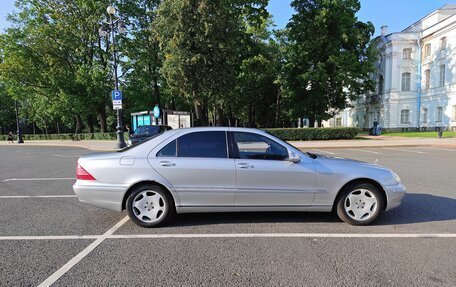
[415,78]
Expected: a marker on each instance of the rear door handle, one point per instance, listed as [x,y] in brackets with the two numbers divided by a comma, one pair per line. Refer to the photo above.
[167,163]
[245,165]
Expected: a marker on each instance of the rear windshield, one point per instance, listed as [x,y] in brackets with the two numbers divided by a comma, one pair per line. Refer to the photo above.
[147,130]
[140,143]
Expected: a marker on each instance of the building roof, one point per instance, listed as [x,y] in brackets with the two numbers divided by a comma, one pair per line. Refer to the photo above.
[438,15]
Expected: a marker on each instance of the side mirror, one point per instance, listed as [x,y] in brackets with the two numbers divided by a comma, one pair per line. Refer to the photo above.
[293,157]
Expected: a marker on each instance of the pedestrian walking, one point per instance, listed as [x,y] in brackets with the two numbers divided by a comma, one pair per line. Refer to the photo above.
[10,137]
[374,128]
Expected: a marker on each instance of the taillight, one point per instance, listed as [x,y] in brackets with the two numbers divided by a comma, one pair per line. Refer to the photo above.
[82,174]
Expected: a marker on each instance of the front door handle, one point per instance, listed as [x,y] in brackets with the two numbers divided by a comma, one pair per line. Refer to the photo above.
[167,163]
[245,165]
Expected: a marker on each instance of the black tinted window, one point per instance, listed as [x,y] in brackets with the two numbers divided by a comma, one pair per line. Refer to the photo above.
[168,150]
[202,144]
[254,146]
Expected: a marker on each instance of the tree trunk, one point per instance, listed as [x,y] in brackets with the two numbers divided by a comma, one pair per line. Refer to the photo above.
[200,112]
[251,114]
[78,124]
[101,111]
[220,117]
[90,123]
[277,111]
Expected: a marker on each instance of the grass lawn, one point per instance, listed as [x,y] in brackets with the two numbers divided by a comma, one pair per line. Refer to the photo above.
[421,134]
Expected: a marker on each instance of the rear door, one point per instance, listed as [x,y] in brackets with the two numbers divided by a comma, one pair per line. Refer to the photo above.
[198,167]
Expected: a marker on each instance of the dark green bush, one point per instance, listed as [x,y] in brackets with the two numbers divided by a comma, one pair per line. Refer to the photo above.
[308,134]
[292,134]
[95,136]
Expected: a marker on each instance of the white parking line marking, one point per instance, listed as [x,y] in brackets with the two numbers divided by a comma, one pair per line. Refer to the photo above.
[363,150]
[39,179]
[56,237]
[61,155]
[36,196]
[406,150]
[328,152]
[65,268]
[285,235]
[224,235]
[428,147]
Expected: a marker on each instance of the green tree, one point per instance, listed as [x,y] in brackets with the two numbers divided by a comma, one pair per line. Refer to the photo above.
[55,59]
[328,60]
[255,100]
[199,40]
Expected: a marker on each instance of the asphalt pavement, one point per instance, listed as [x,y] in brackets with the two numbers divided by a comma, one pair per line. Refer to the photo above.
[46,235]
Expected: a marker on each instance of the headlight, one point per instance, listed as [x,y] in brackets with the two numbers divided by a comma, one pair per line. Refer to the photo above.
[396,177]
[129,142]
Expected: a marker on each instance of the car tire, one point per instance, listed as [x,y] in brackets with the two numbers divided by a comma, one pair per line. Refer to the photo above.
[150,206]
[360,204]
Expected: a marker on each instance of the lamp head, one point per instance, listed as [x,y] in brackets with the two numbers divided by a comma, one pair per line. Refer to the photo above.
[111,10]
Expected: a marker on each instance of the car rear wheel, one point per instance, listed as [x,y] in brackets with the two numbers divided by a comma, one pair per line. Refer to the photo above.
[360,204]
[150,206]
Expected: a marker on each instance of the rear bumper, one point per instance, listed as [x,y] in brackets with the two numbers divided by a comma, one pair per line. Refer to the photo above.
[395,194]
[99,194]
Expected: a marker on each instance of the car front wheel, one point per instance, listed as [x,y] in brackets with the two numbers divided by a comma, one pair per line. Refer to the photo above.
[360,204]
[149,206]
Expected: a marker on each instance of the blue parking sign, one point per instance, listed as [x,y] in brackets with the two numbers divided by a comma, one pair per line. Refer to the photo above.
[116,95]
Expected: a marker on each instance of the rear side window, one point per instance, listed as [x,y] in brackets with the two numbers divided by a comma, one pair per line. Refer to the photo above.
[203,144]
[169,150]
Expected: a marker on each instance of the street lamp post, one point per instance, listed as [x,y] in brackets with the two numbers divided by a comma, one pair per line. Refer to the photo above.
[18,125]
[113,26]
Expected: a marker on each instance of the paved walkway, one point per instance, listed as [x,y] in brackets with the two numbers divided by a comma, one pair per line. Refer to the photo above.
[365,141]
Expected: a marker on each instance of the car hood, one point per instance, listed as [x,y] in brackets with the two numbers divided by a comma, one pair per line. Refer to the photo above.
[340,160]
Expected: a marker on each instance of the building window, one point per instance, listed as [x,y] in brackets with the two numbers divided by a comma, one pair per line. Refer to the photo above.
[425,115]
[380,85]
[453,116]
[427,50]
[338,122]
[443,43]
[439,116]
[406,54]
[442,75]
[405,81]
[427,78]
[405,117]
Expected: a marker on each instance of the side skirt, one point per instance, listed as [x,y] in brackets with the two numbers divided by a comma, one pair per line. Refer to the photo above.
[201,209]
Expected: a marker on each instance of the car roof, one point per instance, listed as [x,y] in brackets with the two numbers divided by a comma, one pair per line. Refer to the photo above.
[200,129]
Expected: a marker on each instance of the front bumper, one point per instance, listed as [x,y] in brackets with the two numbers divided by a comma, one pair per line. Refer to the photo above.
[394,194]
[99,194]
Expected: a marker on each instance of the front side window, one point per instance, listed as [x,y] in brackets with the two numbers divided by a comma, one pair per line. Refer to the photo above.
[439,114]
[405,81]
[407,54]
[210,144]
[254,146]
[405,117]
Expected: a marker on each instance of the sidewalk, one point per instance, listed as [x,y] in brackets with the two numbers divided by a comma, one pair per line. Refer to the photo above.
[365,142]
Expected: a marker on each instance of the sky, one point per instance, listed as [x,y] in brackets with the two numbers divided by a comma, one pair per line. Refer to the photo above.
[396,14]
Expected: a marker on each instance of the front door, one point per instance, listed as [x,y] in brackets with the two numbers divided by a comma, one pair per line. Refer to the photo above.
[266,178]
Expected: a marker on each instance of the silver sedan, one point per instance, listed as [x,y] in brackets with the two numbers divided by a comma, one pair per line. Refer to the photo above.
[222,169]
